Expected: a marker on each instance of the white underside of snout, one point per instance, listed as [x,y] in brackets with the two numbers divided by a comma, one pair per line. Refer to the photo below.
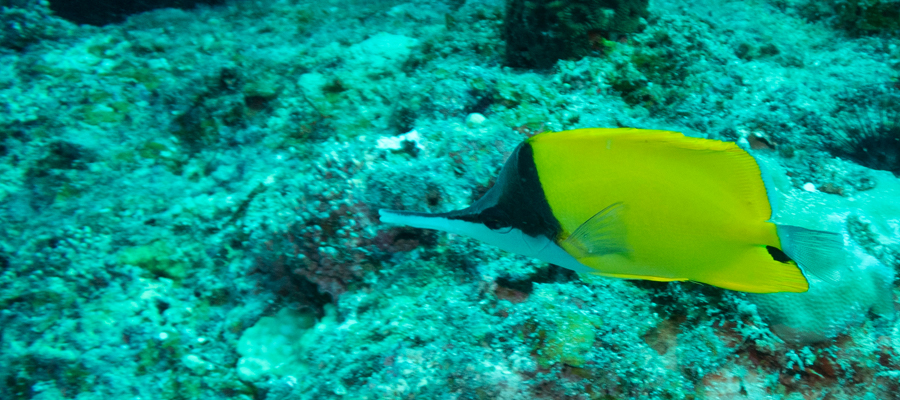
[509,239]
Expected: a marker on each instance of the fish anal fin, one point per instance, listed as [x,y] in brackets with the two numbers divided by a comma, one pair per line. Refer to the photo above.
[602,234]
[643,277]
[755,271]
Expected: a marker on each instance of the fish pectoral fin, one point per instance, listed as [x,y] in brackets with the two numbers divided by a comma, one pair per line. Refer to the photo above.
[602,234]
[819,253]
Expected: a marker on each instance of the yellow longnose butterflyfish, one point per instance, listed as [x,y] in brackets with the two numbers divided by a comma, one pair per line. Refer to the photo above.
[640,204]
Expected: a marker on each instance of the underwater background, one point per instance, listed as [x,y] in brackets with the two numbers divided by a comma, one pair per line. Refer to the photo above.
[189,197]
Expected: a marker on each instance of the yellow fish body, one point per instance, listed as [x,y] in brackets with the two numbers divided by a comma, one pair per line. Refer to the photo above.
[638,204]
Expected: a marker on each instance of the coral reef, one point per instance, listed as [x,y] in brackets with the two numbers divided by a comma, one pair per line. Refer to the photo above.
[538,33]
[27,22]
[858,17]
[869,130]
[102,12]
[188,202]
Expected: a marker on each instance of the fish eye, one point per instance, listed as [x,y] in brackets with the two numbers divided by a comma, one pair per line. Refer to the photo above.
[504,230]
[495,224]
[495,219]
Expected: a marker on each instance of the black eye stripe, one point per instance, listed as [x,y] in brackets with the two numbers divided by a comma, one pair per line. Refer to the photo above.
[516,200]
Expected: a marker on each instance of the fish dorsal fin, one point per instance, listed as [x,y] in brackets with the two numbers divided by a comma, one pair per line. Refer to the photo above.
[819,253]
[602,234]
[705,165]
[777,184]
[646,136]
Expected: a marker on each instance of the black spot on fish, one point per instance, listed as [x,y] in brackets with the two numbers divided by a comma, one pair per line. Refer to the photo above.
[778,255]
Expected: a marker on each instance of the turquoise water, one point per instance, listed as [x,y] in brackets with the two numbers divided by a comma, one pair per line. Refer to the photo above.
[189,199]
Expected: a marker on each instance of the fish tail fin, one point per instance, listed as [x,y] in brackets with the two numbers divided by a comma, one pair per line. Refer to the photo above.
[819,253]
[806,253]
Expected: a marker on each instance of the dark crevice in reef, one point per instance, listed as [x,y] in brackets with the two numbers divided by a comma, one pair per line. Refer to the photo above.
[103,12]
